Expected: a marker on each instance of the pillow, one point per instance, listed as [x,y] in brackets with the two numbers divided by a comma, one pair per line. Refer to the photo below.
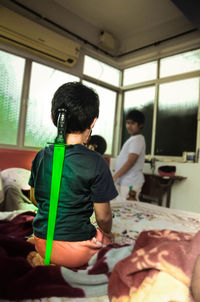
[17,176]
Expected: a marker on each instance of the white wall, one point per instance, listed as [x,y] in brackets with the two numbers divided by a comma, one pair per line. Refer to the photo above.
[185,195]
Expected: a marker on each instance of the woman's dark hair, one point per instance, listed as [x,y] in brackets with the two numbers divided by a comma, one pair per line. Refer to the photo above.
[81,103]
[99,143]
[136,116]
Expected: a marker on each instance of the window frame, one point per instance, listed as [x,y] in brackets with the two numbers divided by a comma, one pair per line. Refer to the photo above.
[29,59]
[157,82]
[117,131]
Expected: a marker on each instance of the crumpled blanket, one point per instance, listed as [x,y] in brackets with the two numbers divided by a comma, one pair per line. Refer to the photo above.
[19,280]
[14,199]
[159,268]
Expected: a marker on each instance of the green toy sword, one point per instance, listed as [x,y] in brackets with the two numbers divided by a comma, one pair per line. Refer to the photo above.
[58,159]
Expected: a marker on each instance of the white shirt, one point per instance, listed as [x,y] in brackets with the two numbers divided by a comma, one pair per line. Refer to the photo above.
[135,144]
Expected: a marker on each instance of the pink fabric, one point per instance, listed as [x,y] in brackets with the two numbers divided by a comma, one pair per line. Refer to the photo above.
[156,252]
[73,254]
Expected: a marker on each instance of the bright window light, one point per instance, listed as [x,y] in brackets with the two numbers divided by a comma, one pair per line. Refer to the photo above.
[101,71]
[181,63]
[11,79]
[105,123]
[44,83]
[141,73]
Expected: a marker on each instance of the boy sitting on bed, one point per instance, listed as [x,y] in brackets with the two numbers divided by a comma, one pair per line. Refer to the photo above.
[86,184]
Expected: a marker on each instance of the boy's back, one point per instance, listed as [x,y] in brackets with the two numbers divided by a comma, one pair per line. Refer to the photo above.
[85,178]
[86,183]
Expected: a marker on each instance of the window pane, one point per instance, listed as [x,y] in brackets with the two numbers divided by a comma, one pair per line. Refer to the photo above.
[11,80]
[141,73]
[105,123]
[184,62]
[44,82]
[143,100]
[101,71]
[177,117]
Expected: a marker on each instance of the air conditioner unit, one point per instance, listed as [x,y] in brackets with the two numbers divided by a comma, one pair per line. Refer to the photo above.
[26,34]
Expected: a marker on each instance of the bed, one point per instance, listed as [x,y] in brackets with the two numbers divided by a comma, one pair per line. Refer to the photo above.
[134,226]
[131,220]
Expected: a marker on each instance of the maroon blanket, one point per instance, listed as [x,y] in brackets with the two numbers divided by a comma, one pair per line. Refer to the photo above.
[19,280]
[158,269]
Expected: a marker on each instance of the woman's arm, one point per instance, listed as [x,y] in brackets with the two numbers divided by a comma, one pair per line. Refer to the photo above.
[132,158]
[32,197]
[103,215]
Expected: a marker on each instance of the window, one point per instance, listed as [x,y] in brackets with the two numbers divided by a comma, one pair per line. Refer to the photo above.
[141,73]
[11,80]
[44,82]
[105,123]
[181,63]
[101,71]
[177,117]
[170,104]
[143,100]
[173,101]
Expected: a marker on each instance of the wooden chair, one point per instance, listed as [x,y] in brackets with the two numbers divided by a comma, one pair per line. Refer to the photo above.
[154,189]
[156,186]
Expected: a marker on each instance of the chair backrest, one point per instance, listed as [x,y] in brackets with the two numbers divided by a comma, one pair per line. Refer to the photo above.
[153,189]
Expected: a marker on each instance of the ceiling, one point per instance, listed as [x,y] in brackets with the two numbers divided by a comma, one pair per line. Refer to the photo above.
[128,25]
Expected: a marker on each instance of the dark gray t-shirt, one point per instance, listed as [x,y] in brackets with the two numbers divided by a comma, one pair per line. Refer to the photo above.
[86,178]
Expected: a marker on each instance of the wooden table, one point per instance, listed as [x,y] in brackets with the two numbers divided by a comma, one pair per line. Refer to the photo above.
[156,186]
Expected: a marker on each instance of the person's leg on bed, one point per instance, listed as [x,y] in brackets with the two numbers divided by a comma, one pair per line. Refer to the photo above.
[34,259]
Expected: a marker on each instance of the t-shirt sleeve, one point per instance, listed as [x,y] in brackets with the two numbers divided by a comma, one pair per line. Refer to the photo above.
[136,145]
[103,188]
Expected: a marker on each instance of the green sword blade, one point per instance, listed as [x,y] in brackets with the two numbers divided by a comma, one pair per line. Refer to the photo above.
[58,159]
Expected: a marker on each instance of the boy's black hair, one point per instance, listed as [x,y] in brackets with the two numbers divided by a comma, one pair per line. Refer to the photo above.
[99,143]
[136,116]
[81,103]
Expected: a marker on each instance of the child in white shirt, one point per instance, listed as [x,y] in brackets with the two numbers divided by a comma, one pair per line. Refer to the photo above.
[130,161]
